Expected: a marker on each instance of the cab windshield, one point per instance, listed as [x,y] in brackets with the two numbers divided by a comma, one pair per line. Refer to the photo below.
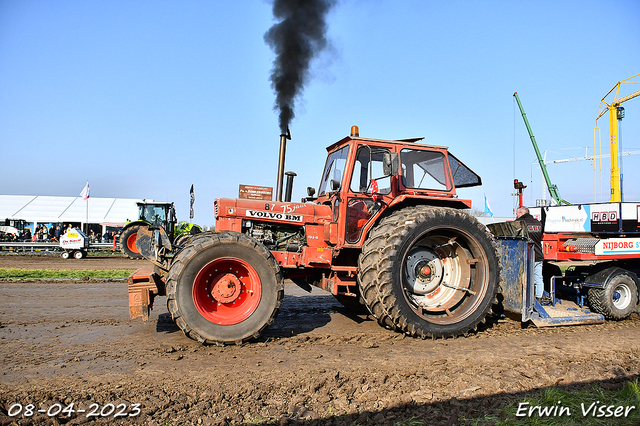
[155,215]
[333,169]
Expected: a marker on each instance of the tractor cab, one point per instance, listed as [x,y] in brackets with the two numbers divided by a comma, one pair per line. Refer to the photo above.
[390,168]
[158,214]
[363,177]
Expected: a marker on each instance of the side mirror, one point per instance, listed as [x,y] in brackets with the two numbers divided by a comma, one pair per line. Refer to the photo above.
[334,184]
[311,191]
[390,163]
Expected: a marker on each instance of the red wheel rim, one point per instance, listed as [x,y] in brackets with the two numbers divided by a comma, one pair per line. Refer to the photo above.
[227,291]
[131,242]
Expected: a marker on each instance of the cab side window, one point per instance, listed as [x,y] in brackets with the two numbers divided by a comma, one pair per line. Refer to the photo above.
[368,166]
[423,169]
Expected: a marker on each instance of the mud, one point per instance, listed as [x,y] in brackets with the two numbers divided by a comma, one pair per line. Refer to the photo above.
[74,343]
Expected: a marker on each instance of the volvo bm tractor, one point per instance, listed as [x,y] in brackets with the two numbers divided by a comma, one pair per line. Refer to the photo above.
[386,233]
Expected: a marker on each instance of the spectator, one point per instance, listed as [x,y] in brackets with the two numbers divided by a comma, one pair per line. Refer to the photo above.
[534,228]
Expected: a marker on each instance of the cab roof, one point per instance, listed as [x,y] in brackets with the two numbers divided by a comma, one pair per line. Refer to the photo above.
[408,141]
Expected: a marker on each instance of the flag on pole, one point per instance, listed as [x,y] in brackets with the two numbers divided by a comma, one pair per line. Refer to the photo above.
[85,192]
[487,207]
[193,199]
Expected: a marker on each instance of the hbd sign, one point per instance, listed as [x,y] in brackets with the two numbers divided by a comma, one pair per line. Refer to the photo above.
[611,216]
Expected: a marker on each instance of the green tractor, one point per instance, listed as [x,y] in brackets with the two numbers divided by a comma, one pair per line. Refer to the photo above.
[155,214]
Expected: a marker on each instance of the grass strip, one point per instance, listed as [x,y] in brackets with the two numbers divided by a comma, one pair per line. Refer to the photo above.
[44,274]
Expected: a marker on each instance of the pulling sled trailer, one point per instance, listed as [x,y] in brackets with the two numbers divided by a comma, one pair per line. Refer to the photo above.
[593,250]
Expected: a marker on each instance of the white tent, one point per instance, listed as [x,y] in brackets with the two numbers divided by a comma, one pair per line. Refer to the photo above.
[47,209]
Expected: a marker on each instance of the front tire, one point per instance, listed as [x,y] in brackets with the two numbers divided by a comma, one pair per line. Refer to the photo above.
[128,242]
[429,272]
[224,288]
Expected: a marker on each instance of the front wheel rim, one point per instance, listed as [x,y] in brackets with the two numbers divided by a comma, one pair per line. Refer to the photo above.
[227,291]
[621,296]
[131,242]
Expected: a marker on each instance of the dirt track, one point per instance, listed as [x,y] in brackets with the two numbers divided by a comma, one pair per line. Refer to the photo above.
[64,343]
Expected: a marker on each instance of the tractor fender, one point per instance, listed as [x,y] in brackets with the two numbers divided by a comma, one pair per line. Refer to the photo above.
[600,279]
[135,222]
[403,202]
[414,200]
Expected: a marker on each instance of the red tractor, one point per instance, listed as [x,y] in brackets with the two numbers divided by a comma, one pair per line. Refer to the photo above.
[386,233]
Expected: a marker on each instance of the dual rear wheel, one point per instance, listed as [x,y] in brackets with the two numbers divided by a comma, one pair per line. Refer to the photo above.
[429,272]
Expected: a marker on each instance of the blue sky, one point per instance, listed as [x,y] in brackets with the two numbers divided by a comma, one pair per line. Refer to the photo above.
[145,98]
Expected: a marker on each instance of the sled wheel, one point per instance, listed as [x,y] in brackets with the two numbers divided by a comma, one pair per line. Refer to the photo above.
[429,272]
[65,255]
[78,254]
[617,300]
[128,242]
[224,288]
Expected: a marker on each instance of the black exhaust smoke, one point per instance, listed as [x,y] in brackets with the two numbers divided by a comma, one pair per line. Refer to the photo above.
[296,40]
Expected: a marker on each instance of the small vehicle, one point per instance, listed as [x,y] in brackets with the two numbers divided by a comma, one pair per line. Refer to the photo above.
[74,243]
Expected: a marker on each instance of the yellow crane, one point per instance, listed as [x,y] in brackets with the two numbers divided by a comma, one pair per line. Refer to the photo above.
[616,112]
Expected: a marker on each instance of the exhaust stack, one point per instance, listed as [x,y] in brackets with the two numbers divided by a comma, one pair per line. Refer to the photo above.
[289,186]
[283,151]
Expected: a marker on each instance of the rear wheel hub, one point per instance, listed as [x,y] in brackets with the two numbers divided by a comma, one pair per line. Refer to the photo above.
[424,271]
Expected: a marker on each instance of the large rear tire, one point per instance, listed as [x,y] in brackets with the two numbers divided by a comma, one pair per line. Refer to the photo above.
[617,300]
[429,272]
[224,288]
[128,242]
